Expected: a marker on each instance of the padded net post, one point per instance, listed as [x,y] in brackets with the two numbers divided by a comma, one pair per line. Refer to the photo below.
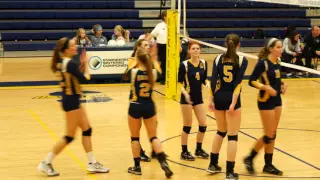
[173,55]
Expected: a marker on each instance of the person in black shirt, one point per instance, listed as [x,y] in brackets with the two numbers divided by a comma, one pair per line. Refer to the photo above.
[142,106]
[76,116]
[228,70]
[312,45]
[192,75]
[266,77]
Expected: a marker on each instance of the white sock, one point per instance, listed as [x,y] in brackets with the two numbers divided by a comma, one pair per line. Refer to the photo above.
[49,158]
[91,157]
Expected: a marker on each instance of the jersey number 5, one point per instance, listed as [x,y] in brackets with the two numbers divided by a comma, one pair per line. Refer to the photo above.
[144,90]
[228,75]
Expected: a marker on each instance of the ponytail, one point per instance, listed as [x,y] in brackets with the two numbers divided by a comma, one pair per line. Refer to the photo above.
[62,45]
[232,41]
[145,58]
[134,52]
[263,54]
[54,61]
[232,52]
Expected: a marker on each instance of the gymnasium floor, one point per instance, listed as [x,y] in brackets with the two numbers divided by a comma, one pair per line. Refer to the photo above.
[32,121]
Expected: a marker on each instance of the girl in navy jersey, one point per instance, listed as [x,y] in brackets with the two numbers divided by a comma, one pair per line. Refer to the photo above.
[132,63]
[228,70]
[192,75]
[266,77]
[142,107]
[76,116]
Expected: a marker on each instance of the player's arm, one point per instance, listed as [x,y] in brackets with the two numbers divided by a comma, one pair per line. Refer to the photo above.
[258,70]
[205,81]
[181,76]
[238,81]
[214,79]
[284,87]
[73,69]
[157,67]
[131,64]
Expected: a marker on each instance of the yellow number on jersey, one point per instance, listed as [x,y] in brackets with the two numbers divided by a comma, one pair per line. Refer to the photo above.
[226,72]
[144,91]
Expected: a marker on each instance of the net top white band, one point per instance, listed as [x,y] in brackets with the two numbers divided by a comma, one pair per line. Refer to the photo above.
[307,3]
[313,71]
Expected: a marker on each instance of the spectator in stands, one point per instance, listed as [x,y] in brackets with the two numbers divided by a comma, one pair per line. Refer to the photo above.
[120,37]
[311,45]
[292,52]
[81,39]
[121,34]
[97,38]
[160,33]
[146,35]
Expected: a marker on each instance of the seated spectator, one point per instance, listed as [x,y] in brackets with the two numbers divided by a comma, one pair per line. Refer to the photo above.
[81,39]
[97,38]
[292,52]
[311,45]
[121,34]
[146,35]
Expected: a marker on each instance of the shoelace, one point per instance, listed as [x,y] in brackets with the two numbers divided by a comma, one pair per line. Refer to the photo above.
[97,165]
[188,154]
[274,169]
[51,168]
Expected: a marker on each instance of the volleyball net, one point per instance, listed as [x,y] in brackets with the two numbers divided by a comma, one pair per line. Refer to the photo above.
[173,44]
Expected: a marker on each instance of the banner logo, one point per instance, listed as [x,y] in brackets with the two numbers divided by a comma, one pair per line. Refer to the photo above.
[95,62]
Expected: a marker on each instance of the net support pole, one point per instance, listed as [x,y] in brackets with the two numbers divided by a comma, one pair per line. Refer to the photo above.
[173,4]
[179,16]
[184,17]
[173,56]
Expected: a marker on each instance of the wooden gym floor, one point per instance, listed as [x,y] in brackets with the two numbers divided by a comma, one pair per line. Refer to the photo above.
[32,121]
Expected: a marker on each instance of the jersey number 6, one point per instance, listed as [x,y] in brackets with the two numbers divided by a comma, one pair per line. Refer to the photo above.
[144,91]
[227,73]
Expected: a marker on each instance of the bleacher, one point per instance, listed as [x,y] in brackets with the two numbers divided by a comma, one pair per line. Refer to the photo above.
[27,25]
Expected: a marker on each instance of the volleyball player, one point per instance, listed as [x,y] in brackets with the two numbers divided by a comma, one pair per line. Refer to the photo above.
[192,74]
[75,114]
[228,69]
[142,107]
[270,87]
[132,63]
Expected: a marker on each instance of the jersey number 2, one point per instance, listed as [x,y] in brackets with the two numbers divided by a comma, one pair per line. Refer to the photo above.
[144,91]
[227,73]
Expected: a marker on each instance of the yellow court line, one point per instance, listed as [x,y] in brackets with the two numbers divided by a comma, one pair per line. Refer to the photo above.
[116,85]
[57,86]
[55,137]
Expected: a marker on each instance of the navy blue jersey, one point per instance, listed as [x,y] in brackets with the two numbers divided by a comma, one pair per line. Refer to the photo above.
[141,91]
[227,75]
[71,77]
[192,77]
[266,73]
